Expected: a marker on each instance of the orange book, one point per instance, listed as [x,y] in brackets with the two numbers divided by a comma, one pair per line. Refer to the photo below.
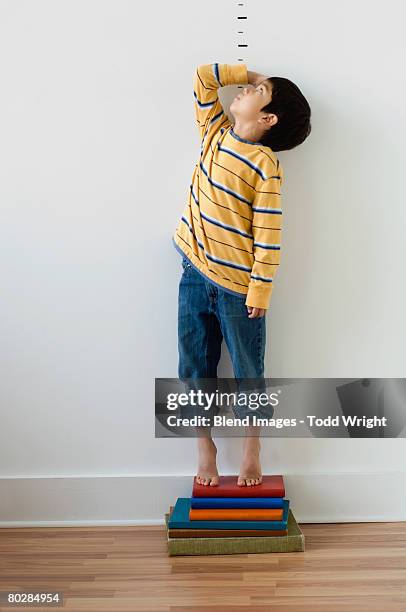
[236,514]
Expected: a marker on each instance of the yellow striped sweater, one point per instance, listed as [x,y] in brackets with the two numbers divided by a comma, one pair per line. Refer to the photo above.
[230,229]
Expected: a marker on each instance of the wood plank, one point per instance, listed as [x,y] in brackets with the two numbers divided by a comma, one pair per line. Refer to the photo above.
[349,566]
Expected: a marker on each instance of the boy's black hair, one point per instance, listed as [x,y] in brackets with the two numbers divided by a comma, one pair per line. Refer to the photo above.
[293,112]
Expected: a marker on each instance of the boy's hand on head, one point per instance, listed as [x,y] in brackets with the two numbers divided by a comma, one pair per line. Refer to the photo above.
[255,312]
[255,78]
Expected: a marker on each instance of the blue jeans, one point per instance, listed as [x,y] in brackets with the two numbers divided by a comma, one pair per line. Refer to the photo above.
[206,315]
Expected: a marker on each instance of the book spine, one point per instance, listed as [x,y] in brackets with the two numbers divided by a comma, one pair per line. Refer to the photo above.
[252,545]
[236,514]
[235,502]
[224,533]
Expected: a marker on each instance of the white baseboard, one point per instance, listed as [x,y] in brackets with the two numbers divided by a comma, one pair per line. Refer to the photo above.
[74,501]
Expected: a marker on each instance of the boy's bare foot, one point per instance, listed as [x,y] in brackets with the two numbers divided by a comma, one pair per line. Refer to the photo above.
[207,473]
[250,470]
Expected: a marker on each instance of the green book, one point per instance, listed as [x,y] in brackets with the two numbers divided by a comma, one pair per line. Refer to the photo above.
[294,541]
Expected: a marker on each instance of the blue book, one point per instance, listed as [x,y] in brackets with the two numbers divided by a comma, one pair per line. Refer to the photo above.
[179,519]
[236,502]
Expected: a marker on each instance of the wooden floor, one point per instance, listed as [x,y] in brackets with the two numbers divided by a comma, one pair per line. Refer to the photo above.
[346,566]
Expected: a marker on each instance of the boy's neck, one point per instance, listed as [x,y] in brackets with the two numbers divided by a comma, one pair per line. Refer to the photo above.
[246,132]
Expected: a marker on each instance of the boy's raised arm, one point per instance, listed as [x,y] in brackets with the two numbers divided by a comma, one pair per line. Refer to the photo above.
[206,81]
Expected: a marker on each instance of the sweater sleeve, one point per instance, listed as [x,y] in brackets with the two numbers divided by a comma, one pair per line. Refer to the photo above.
[206,81]
[266,231]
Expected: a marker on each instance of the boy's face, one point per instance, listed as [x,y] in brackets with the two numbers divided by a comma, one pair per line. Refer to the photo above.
[246,106]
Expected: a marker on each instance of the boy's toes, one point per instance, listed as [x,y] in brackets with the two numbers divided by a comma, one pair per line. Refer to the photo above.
[207,480]
[248,482]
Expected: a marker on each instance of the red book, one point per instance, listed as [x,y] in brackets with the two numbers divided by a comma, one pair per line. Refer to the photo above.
[271,486]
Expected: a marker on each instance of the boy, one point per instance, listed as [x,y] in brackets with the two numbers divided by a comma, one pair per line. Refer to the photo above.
[229,235]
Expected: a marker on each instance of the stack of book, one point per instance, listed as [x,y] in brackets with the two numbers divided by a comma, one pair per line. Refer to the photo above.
[231,519]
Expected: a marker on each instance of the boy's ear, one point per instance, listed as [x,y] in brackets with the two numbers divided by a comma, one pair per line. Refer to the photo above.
[269,119]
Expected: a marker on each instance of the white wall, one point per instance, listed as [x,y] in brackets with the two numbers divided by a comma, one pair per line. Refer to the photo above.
[98,144]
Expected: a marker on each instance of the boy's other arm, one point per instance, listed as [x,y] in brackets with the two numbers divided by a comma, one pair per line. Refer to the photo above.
[266,231]
[207,79]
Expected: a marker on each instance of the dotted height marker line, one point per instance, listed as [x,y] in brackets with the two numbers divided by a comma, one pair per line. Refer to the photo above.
[241,45]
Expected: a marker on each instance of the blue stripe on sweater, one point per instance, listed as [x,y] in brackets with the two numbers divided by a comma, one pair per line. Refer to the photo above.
[265,245]
[226,262]
[263,278]
[216,73]
[223,187]
[274,211]
[225,225]
[203,104]
[245,160]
